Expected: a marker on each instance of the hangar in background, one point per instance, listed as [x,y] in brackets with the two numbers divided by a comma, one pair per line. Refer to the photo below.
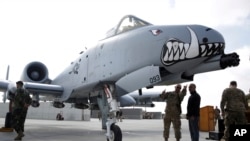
[48,112]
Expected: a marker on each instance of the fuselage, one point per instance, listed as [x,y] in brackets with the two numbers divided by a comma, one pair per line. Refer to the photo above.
[175,49]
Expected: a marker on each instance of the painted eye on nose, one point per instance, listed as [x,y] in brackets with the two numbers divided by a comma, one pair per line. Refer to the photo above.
[156,32]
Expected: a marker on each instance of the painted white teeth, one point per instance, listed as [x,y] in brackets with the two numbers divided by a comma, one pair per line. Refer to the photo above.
[175,50]
[203,48]
[210,51]
[178,50]
[216,45]
[182,56]
[169,46]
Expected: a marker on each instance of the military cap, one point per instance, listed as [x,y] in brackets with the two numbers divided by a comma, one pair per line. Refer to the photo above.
[233,83]
[19,82]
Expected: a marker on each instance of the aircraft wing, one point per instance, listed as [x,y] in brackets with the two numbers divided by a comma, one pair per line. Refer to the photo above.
[44,89]
[4,85]
[34,88]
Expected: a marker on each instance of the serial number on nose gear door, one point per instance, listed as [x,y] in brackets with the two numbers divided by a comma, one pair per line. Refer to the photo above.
[155,79]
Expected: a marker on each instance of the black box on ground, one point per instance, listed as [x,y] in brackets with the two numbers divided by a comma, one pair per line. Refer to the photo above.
[8,120]
[213,135]
[221,125]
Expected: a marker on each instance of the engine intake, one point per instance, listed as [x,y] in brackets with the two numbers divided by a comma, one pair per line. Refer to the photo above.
[35,72]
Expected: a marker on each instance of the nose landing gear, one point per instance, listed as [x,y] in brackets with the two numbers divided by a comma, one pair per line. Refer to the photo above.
[113,131]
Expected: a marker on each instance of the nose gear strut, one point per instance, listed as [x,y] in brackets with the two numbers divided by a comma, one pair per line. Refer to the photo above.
[113,131]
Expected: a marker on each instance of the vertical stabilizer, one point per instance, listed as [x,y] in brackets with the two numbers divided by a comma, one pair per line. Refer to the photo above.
[7,78]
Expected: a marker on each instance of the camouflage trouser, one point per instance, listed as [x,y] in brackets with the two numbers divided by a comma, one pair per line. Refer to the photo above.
[175,119]
[233,117]
[18,119]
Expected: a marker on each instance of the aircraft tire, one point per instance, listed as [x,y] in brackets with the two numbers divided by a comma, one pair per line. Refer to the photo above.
[116,133]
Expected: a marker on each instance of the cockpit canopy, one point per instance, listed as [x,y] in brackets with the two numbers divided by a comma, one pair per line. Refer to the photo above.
[127,23]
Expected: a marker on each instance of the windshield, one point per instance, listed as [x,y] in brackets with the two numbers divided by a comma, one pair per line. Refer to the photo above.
[127,23]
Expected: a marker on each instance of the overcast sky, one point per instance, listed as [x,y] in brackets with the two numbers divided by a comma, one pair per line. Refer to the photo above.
[55,31]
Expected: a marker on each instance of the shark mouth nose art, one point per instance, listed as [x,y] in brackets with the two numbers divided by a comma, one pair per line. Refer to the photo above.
[175,50]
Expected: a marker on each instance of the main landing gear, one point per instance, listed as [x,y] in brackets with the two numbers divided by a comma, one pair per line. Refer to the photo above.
[113,131]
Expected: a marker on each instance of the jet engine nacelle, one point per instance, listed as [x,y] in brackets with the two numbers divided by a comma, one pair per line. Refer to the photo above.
[35,72]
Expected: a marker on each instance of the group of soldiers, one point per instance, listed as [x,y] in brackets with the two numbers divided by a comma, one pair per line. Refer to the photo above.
[233,106]
[19,103]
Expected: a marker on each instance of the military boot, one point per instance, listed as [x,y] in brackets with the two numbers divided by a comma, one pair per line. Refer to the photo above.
[177,139]
[19,136]
[22,134]
[166,139]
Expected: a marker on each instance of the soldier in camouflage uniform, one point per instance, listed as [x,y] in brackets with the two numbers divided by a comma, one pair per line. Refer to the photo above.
[173,110]
[21,102]
[233,106]
[248,104]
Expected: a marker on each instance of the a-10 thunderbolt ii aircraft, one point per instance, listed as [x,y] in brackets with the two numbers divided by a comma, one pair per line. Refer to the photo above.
[133,55]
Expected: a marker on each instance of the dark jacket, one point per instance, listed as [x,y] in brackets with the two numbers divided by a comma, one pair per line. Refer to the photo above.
[193,107]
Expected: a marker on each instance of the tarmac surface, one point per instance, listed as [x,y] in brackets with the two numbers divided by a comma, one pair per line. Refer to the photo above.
[132,130]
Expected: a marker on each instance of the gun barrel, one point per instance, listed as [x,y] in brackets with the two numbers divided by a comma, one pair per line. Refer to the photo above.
[229,60]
